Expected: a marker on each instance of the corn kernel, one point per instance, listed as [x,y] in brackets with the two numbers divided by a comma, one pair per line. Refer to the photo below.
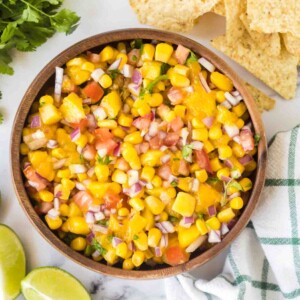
[179,80]
[125,120]
[64,210]
[220,96]
[251,166]
[102,172]
[240,123]
[47,99]
[154,236]
[238,150]
[124,59]
[246,184]
[201,175]
[137,203]
[46,196]
[155,100]
[221,81]
[201,226]
[171,192]
[224,152]
[213,223]
[215,132]
[24,149]
[122,250]
[200,134]
[110,124]
[78,244]
[53,223]
[81,177]
[170,116]
[147,173]
[105,81]
[184,204]
[151,158]
[77,61]
[119,177]
[141,241]
[128,264]
[130,155]
[138,258]
[226,215]
[107,54]
[180,111]
[121,47]
[236,203]
[58,153]
[134,138]
[155,205]
[181,69]
[163,52]
[81,141]
[223,172]
[148,52]
[74,210]
[208,146]
[194,167]
[123,212]
[156,181]
[215,164]
[88,66]
[78,225]
[163,216]
[239,109]
[144,110]
[118,132]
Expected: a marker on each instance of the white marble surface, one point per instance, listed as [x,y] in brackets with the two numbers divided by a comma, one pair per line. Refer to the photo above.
[96,17]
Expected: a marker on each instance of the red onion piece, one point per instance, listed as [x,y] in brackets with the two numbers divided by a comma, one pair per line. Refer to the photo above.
[137,77]
[96,254]
[231,99]
[196,244]
[165,227]
[127,71]
[204,83]
[116,241]
[75,134]
[58,194]
[134,89]
[234,195]
[100,228]
[52,144]
[245,159]
[35,122]
[117,150]
[206,64]
[212,210]
[91,121]
[80,186]
[231,130]
[91,172]
[186,222]
[235,93]
[115,65]
[196,145]
[99,216]
[53,213]
[226,104]
[231,223]
[228,163]
[90,237]
[59,163]
[181,54]
[214,236]
[158,252]
[131,246]
[59,73]
[225,178]
[208,121]
[77,168]
[89,217]
[164,241]
[56,203]
[224,229]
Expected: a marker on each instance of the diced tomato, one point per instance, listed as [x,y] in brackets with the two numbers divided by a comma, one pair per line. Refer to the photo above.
[182,54]
[176,124]
[89,152]
[203,160]
[156,142]
[84,200]
[108,145]
[142,123]
[164,172]
[183,168]
[103,134]
[171,139]
[247,140]
[175,255]
[94,91]
[82,125]
[176,95]
[111,199]
[35,180]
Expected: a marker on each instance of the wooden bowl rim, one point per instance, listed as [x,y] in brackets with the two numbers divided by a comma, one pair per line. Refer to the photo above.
[100,40]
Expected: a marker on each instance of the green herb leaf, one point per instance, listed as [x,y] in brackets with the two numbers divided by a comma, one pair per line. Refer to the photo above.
[213,180]
[235,184]
[173,219]
[137,43]
[98,246]
[65,21]
[134,58]
[152,84]
[103,222]
[176,158]
[164,68]
[174,183]
[187,151]
[135,237]
[104,160]
[192,58]
[200,216]
[114,73]
[256,139]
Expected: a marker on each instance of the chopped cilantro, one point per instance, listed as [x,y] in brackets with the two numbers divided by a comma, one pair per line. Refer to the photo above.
[187,151]
[174,183]
[148,89]
[135,237]
[97,246]
[173,219]
[192,58]
[200,215]
[164,68]
[104,160]
[137,43]
[256,139]
[213,180]
[176,158]
[103,222]
[231,183]
[134,58]
[88,250]
[81,158]
[110,237]
[114,73]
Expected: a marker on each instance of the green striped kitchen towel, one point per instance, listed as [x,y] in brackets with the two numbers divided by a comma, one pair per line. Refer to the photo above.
[264,261]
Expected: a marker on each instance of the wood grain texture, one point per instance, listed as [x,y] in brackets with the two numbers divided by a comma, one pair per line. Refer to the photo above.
[46,77]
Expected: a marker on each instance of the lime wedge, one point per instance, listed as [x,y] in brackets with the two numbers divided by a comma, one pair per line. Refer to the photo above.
[12,263]
[49,283]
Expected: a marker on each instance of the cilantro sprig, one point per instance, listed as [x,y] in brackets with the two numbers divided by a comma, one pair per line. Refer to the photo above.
[231,183]
[104,160]
[97,246]
[192,58]
[148,89]
[256,139]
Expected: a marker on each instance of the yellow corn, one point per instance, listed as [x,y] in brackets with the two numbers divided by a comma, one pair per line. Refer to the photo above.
[197,123]
[213,223]
[181,69]
[53,223]
[170,116]
[208,146]
[147,173]
[200,134]
[154,236]
[239,109]
[46,196]
[137,203]
[201,226]
[148,52]
[185,183]
[77,61]
[124,59]
[119,177]
[226,215]
[223,172]
[123,212]
[112,104]
[187,235]
[201,175]
[64,210]
[240,123]
[107,54]
[127,264]
[151,158]
[125,120]
[144,109]
[121,250]
[78,244]
[251,166]
[141,241]
[224,152]
[136,224]
[155,100]
[138,258]
[220,96]
[68,184]
[49,114]
[88,66]
[118,132]
[246,184]
[180,111]
[47,99]
[237,150]
[130,155]
[150,70]
[236,203]
[215,164]
[77,75]
[221,81]
[78,225]
[155,205]
[102,172]
[74,210]
[82,177]
[163,216]
[24,149]
[134,138]
[105,81]
[215,132]
[163,52]
[156,181]
[179,80]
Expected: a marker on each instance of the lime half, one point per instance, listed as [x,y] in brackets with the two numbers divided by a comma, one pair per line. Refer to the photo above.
[48,283]
[12,263]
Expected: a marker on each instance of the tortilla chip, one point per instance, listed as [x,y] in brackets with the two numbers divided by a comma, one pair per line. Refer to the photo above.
[219,8]
[262,101]
[292,43]
[270,16]
[175,15]
[279,73]
[234,26]
[270,42]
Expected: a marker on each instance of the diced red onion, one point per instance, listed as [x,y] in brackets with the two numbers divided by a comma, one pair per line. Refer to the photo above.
[231,130]
[228,163]
[143,182]
[157,218]
[158,252]
[224,229]
[165,227]
[79,149]
[86,182]
[99,216]
[133,190]
[134,89]
[52,144]
[212,210]
[53,213]
[35,122]
[196,244]
[90,237]
[91,172]
[117,150]
[184,133]
[97,74]
[57,194]
[89,217]
[94,208]
[99,113]
[59,163]
[153,129]
[187,222]
[163,148]
[77,168]
[162,134]
[56,204]
[133,177]
[173,178]
[195,185]
[131,246]
[137,77]
[164,159]
[149,186]
[235,93]
[214,236]
[234,195]
[237,139]
[96,254]
[113,210]
[226,104]
[232,100]
[206,64]
[196,145]
[102,152]
[127,71]
[115,65]
[225,178]
[59,73]
[245,159]
[181,54]
[80,186]
[164,241]
[100,228]
[91,121]
[231,223]
[116,241]
[75,134]
[204,83]
[87,101]
[189,89]
[26,164]
[208,121]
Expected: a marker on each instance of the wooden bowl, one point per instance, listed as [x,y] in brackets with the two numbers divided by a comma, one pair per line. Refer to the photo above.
[46,78]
